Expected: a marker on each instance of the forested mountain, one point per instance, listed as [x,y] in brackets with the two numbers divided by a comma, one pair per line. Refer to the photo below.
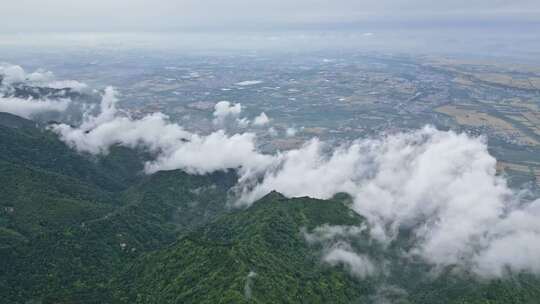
[76,228]
[67,221]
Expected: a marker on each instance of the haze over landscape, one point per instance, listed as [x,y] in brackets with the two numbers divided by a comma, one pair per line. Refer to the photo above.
[270,151]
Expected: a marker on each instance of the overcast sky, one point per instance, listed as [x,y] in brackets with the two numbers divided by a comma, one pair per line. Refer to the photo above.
[172,15]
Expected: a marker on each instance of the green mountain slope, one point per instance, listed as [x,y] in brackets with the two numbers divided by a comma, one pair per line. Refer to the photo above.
[213,264]
[82,229]
[262,255]
[67,221]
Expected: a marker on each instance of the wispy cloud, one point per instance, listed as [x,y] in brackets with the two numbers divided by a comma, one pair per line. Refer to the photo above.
[28,108]
[33,101]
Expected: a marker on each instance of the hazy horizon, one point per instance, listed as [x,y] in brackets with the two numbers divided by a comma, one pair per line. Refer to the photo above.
[243,15]
[474,28]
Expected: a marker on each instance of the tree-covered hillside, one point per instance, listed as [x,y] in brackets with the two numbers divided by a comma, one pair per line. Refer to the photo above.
[68,221]
[264,255]
[258,255]
[76,228]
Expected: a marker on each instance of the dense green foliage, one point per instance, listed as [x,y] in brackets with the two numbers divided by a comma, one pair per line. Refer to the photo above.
[68,221]
[212,264]
[30,146]
[82,229]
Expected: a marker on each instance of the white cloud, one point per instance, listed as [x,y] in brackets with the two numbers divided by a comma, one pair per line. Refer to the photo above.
[441,184]
[248,83]
[272,132]
[337,250]
[326,233]
[70,84]
[175,147]
[359,265]
[225,109]
[512,243]
[97,133]
[214,152]
[291,132]
[13,74]
[308,172]
[243,122]
[249,283]
[39,76]
[261,120]
[27,108]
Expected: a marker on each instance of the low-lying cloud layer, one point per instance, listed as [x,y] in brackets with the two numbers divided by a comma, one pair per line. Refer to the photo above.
[175,147]
[261,120]
[358,264]
[13,79]
[338,251]
[14,74]
[27,108]
[440,185]
[224,110]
